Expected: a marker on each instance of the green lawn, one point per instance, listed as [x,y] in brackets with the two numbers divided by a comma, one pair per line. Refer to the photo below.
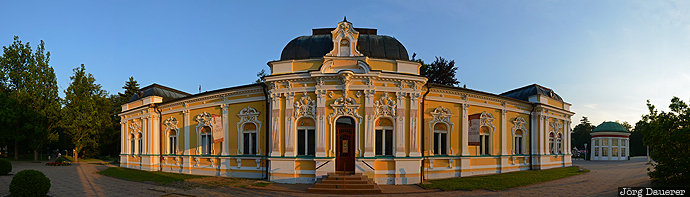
[503,181]
[138,175]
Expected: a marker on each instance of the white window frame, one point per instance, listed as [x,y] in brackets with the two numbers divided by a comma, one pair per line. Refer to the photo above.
[384,130]
[305,129]
[140,143]
[552,142]
[518,143]
[132,143]
[485,140]
[253,147]
[172,142]
[206,145]
[438,146]
[559,143]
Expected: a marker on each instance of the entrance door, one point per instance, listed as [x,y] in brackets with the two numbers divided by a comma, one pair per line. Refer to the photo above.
[345,145]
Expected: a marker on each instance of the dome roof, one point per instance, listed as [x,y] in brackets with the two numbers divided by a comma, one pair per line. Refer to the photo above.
[610,127]
[368,43]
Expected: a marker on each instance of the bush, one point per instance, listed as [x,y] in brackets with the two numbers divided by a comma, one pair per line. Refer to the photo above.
[60,160]
[5,166]
[29,183]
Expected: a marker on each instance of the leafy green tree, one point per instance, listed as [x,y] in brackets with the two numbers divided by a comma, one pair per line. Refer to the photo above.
[32,83]
[86,111]
[110,140]
[441,71]
[668,135]
[637,147]
[581,132]
[261,76]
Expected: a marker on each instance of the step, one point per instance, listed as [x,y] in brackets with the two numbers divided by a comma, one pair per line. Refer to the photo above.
[326,181]
[344,191]
[345,186]
[347,177]
[339,173]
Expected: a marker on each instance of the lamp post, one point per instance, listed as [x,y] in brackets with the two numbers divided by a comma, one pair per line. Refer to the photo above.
[586,151]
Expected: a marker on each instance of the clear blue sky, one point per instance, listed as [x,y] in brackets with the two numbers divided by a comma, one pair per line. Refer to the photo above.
[606,58]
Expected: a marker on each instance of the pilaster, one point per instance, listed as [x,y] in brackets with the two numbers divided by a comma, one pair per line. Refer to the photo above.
[224,118]
[465,130]
[504,133]
[369,123]
[319,121]
[290,144]
[275,124]
[414,124]
[400,125]
[123,133]
[185,112]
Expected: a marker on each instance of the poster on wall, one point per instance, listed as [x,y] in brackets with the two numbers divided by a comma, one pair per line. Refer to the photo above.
[217,125]
[473,133]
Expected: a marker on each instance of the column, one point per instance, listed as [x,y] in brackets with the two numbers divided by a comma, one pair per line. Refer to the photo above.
[565,140]
[542,131]
[290,139]
[400,125]
[591,147]
[275,124]
[504,133]
[609,147]
[145,135]
[414,125]
[186,131]
[319,121]
[123,133]
[627,148]
[619,148]
[465,130]
[601,148]
[369,123]
[155,132]
[225,123]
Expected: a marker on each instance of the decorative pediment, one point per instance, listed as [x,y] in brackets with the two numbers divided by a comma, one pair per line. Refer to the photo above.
[248,114]
[486,119]
[441,114]
[134,126]
[170,124]
[519,123]
[385,106]
[332,65]
[305,107]
[345,106]
[344,40]
[203,119]
[556,126]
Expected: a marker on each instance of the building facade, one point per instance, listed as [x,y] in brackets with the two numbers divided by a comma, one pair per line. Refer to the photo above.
[345,99]
[610,141]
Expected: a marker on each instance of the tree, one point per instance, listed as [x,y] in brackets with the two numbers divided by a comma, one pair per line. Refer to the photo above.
[441,71]
[261,76]
[110,140]
[667,134]
[86,111]
[32,83]
[637,147]
[581,134]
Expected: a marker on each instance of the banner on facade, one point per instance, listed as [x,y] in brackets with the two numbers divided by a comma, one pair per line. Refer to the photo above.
[473,133]
[217,125]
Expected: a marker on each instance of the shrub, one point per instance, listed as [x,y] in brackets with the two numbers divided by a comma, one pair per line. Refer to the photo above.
[5,166]
[29,183]
[60,160]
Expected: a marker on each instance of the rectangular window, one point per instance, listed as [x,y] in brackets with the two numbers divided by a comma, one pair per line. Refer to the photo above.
[173,145]
[596,151]
[132,145]
[249,143]
[306,141]
[484,145]
[384,142]
[622,152]
[141,147]
[518,145]
[605,152]
[441,143]
[206,142]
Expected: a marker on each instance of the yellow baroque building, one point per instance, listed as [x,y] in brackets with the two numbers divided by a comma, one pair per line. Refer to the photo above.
[345,99]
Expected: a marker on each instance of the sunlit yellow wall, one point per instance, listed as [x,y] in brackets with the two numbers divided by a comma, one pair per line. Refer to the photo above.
[234,133]
[390,66]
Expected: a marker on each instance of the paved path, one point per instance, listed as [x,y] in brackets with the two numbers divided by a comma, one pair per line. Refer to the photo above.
[82,180]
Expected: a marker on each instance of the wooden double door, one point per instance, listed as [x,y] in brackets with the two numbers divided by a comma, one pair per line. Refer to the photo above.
[345,145]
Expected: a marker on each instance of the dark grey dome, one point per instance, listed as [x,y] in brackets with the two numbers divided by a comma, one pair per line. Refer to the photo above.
[371,45]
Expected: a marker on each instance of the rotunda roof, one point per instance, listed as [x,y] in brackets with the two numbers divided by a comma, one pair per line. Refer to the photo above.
[368,43]
[610,127]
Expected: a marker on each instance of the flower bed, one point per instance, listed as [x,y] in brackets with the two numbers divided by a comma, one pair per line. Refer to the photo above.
[64,163]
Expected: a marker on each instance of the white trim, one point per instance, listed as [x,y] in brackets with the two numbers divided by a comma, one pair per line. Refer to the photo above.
[442,115]
[248,115]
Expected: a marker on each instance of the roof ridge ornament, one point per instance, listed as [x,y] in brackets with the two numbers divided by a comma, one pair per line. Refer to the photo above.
[344,38]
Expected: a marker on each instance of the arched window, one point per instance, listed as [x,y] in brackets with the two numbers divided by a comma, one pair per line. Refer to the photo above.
[306,137]
[517,142]
[249,138]
[441,139]
[384,137]
[484,141]
[140,143]
[344,47]
[172,142]
[551,144]
[559,143]
[206,140]
[131,144]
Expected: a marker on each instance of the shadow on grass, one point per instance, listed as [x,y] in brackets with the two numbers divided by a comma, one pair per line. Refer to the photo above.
[497,182]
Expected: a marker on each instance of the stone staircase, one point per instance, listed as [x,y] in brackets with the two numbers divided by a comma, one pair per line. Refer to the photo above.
[345,183]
